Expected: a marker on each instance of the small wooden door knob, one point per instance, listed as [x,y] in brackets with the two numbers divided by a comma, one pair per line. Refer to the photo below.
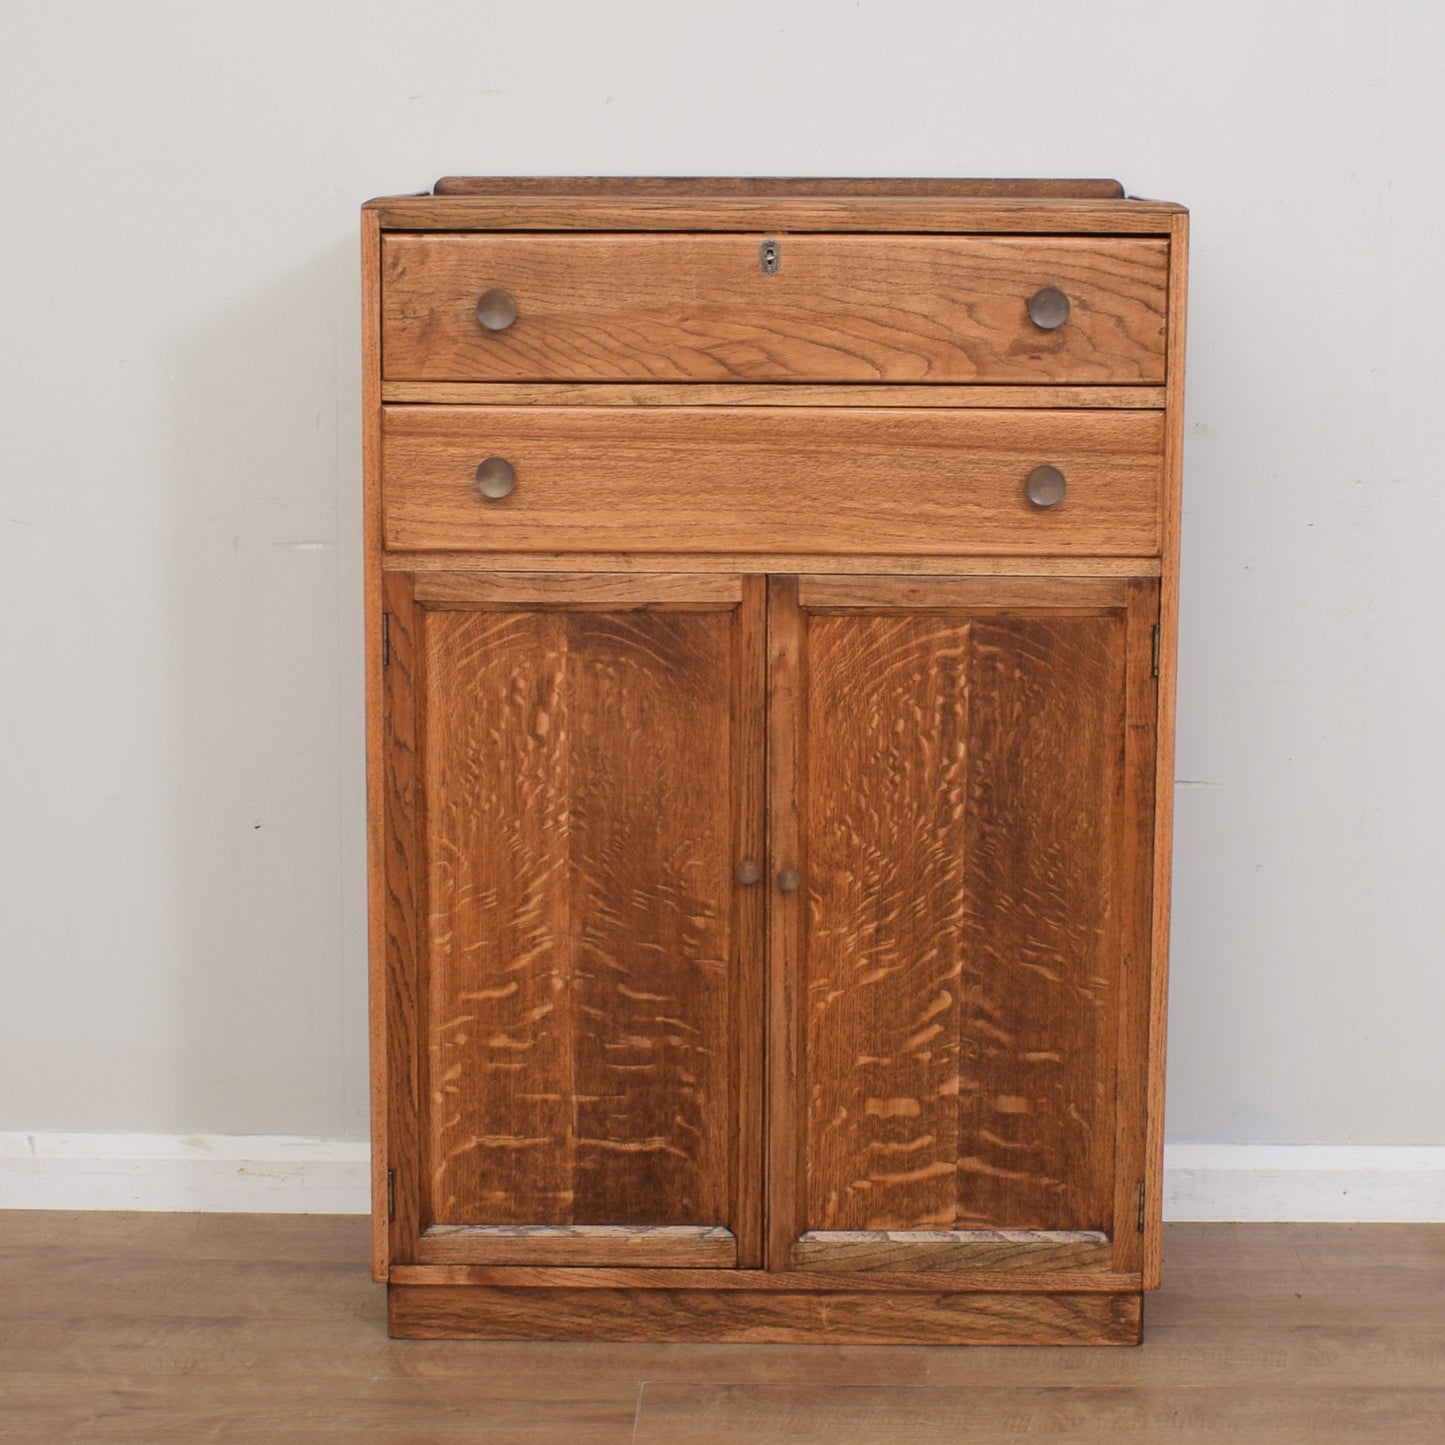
[789,880]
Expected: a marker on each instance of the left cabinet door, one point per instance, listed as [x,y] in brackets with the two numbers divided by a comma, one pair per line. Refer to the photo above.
[573,781]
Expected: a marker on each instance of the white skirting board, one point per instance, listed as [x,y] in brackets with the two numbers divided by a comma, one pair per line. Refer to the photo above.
[225,1173]
[1369,1183]
[287,1174]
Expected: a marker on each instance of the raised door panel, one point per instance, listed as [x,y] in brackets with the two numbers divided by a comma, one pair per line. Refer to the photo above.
[586,776]
[962,1005]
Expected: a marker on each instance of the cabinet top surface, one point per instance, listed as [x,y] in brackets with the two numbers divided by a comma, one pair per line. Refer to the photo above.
[784,203]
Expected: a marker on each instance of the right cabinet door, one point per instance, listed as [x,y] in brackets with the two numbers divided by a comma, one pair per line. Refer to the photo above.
[962,778]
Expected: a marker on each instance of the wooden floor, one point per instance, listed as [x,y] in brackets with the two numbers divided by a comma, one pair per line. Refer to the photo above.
[265,1329]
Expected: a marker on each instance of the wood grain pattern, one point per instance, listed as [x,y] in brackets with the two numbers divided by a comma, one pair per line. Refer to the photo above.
[1139,841]
[562,1095]
[177,1328]
[1011,594]
[1015,1274]
[767,1317]
[839,309]
[648,564]
[786,1164]
[921,1250]
[961,789]
[376,784]
[984,1413]
[769,215]
[1164,757]
[655,186]
[1045,778]
[581,988]
[555,592]
[625,1246]
[400,814]
[771,480]
[749,822]
[662,393]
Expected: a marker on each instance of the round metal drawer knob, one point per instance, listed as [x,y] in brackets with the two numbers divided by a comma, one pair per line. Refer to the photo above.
[1049,308]
[789,880]
[1045,486]
[747,872]
[496,310]
[495,478]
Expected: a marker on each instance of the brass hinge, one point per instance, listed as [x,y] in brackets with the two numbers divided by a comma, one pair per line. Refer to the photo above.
[391,1197]
[1155,664]
[386,640]
[1141,1206]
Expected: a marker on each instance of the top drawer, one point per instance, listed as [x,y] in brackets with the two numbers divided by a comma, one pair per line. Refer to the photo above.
[838,308]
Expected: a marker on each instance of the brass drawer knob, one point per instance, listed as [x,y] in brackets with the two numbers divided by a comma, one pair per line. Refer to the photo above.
[495,478]
[1045,486]
[496,310]
[1049,308]
[747,872]
[789,880]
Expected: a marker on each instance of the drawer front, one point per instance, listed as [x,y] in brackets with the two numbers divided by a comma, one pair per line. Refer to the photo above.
[837,308]
[848,480]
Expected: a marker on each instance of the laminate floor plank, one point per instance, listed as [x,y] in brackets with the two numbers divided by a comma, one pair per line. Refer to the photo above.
[1198,1356]
[286,1348]
[236,1410]
[1081,1415]
[258,1329]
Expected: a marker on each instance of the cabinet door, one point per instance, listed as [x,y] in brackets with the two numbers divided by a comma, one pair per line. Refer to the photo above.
[574,773]
[961,774]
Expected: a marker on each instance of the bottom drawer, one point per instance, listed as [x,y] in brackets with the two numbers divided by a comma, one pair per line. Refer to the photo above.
[860,480]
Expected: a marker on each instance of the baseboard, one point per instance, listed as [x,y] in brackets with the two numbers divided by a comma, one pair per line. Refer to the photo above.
[288,1174]
[1368,1183]
[225,1173]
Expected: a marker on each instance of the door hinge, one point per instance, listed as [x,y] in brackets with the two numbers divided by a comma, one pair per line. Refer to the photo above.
[391,1197]
[1141,1206]
[1154,665]
[386,640]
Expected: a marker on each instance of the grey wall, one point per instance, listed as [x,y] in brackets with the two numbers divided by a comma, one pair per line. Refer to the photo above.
[181,861]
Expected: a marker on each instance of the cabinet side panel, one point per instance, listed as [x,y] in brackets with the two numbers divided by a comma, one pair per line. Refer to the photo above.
[961,804]
[1164,774]
[580,840]
[375,767]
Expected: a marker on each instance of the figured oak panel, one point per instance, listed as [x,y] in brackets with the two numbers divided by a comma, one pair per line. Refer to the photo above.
[581,780]
[960,812]
[846,480]
[837,309]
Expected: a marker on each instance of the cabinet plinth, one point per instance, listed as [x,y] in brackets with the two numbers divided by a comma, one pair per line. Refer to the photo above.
[769,776]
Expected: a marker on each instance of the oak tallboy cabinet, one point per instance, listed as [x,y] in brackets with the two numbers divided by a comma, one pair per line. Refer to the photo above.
[770,616]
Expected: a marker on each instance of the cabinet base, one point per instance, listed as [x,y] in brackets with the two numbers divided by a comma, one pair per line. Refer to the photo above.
[677,1316]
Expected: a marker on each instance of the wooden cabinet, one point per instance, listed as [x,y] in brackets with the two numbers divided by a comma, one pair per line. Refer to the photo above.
[770,614]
